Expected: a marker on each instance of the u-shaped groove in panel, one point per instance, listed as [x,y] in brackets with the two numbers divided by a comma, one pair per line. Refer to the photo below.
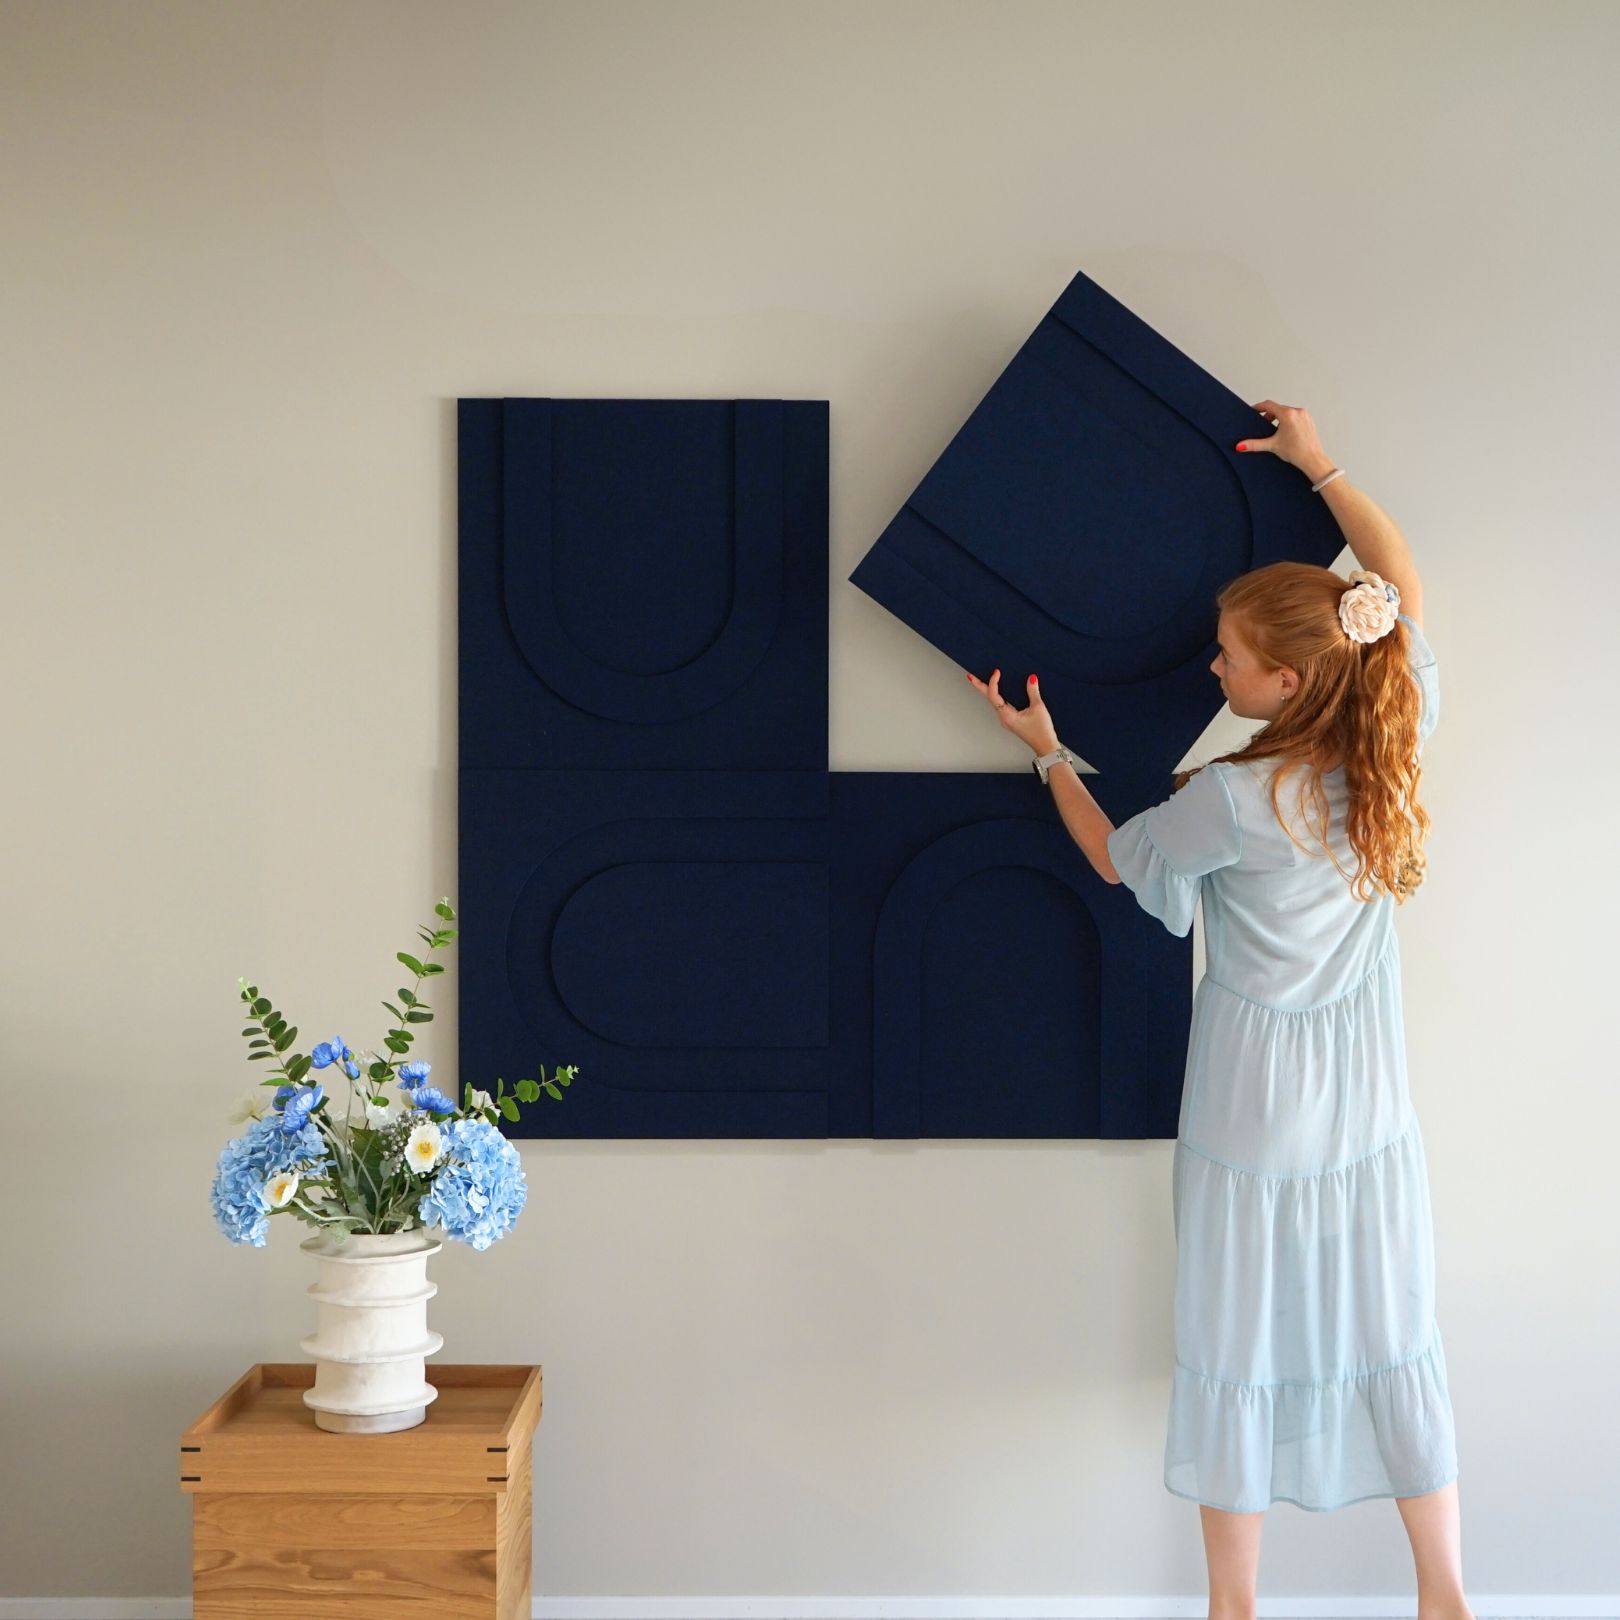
[979,952]
[899,990]
[534,843]
[1081,521]
[568,665]
[642,584]
[1073,446]
[696,953]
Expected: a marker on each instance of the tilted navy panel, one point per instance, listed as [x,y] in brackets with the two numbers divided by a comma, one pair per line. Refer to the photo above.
[1079,523]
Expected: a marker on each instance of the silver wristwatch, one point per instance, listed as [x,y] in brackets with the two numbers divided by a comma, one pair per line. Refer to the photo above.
[1043,765]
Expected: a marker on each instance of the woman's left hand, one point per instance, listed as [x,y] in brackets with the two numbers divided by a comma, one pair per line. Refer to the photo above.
[1033,725]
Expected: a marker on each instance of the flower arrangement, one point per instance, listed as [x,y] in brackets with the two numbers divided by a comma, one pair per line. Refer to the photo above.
[390,1160]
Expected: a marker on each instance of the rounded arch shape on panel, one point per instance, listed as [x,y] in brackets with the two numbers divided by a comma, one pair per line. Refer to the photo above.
[642,548]
[677,955]
[989,994]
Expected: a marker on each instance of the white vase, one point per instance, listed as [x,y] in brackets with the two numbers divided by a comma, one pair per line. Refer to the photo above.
[372,1334]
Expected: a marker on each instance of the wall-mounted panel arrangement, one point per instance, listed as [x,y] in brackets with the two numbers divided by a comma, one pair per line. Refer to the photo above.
[662,883]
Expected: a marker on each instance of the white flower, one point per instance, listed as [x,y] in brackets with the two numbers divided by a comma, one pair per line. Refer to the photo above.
[424,1147]
[279,1189]
[482,1099]
[1367,610]
[379,1115]
[252,1104]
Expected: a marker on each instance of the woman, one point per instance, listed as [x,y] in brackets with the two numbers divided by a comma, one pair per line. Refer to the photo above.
[1308,1364]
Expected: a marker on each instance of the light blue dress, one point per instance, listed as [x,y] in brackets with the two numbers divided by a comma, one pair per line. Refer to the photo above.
[1308,1364]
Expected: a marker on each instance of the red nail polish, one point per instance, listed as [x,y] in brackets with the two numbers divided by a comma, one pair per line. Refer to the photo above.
[1032,680]
[1237,447]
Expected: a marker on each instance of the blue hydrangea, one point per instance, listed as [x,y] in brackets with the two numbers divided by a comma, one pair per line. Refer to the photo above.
[479,1189]
[248,1161]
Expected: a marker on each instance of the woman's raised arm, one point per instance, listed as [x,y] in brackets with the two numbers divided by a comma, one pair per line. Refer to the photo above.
[1371,533]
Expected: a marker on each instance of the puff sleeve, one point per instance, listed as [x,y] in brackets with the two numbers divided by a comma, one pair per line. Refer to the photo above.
[1163,853]
[1426,672]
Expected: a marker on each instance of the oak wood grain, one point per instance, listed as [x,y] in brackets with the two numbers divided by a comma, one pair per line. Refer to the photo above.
[434,1521]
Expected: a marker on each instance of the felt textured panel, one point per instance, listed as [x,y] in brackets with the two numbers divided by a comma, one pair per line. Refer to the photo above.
[582,890]
[1080,522]
[662,884]
[786,954]
[643,583]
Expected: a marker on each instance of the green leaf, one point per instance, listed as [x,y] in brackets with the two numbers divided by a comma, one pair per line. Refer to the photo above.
[393,1009]
[299,1067]
[402,1034]
[510,1109]
[417,1016]
[408,997]
[411,962]
[528,1091]
[379,1070]
[275,1026]
[260,1042]
[253,1057]
[490,1115]
[432,967]
[286,1038]
[397,1046]
[252,1029]
[443,909]
[555,1093]
[260,1007]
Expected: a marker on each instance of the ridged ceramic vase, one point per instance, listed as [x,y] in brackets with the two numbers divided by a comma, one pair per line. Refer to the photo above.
[372,1336]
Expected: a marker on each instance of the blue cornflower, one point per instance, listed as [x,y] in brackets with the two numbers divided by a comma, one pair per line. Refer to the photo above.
[295,1110]
[248,1161]
[479,1189]
[335,1051]
[413,1074]
[431,1101]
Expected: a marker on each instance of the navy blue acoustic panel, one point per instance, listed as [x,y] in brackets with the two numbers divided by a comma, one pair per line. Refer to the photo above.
[643,583]
[1080,522]
[798,954]
[998,986]
[666,931]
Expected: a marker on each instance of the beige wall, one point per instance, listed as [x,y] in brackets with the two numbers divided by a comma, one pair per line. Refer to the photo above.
[253,252]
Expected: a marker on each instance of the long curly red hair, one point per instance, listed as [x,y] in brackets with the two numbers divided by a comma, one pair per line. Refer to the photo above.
[1357,701]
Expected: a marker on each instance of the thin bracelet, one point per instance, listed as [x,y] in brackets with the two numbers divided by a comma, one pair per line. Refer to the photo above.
[1338,472]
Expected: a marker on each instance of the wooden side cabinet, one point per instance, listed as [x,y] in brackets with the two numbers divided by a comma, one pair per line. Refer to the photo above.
[288,1519]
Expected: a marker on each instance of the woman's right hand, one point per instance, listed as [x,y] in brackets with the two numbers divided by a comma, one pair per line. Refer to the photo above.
[1295,439]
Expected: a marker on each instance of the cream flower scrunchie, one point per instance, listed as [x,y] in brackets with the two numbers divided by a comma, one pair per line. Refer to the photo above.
[1367,610]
